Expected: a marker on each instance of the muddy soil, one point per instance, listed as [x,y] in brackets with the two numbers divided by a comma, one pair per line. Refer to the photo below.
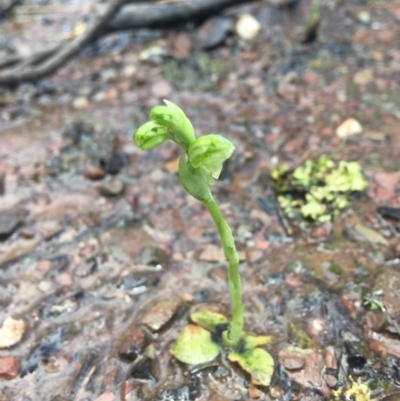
[103,254]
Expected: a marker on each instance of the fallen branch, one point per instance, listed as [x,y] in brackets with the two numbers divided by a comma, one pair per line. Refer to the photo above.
[167,15]
[46,62]
[28,72]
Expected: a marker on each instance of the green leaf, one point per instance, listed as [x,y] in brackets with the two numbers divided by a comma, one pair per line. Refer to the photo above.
[194,346]
[257,362]
[208,319]
[150,135]
[250,342]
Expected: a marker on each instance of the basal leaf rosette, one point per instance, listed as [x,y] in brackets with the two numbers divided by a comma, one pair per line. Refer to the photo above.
[208,153]
[174,119]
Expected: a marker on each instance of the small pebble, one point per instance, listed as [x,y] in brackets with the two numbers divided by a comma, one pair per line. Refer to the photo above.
[9,367]
[94,173]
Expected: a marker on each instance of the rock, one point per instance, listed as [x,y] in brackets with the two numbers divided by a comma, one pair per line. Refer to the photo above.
[275,392]
[212,253]
[18,249]
[133,344]
[292,358]
[385,344]
[363,77]
[114,164]
[322,231]
[304,366]
[181,46]
[161,88]
[370,234]
[387,180]
[152,255]
[55,364]
[254,255]
[100,96]
[113,187]
[254,392]
[143,370]
[9,367]
[80,103]
[108,396]
[94,172]
[160,314]
[48,229]
[9,222]
[11,332]
[213,32]
[389,281]
[247,27]
[348,128]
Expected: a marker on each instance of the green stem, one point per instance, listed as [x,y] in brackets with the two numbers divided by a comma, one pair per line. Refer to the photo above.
[235,287]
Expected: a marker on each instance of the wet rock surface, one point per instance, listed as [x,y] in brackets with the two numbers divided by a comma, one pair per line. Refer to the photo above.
[102,253]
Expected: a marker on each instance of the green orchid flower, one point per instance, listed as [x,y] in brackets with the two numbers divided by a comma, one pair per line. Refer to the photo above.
[150,135]
[208,153]
[172,117]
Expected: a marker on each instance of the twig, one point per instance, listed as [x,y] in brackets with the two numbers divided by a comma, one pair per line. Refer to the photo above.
[48,61]
[51,64]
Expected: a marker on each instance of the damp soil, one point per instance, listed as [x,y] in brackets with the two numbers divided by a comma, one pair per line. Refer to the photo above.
[103,255]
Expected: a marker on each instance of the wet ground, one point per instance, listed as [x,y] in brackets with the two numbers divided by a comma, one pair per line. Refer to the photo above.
[103,254]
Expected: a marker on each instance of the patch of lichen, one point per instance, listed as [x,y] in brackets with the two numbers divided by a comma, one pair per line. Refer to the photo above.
[318,190]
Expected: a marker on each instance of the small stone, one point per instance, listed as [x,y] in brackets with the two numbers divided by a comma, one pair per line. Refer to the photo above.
[80,103]
[108,396]
[160,314]
[212,253]
[254,255]
[161,88]
[48,229]
[12,332]
[55,364]
[100,96]
[254,393]
[370,234]
[94,173]
[363,77]
[275,392]
[129,71]
[152,255]
[330,380]
[389,281]
[247,27]
[348,128]
[9,221]
[9,367]
[213,32]
[182,45]
[108,74]
[387,180]
[292,358]
[132,345]
[218,273]
[113,187]
[322,231]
